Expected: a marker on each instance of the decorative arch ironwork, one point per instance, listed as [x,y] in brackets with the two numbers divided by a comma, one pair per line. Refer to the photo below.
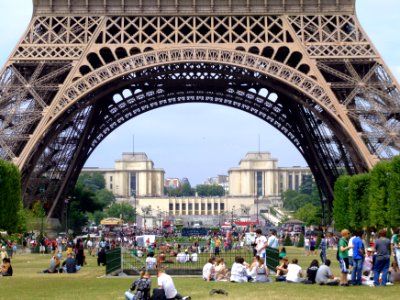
[84,121]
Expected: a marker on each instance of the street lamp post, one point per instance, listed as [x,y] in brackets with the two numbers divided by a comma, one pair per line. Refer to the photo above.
[233,209]
[67,201]
[133,195]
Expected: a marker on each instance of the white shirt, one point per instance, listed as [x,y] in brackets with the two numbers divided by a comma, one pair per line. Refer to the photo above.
[273,242]
[238,273]
[260,245]
[194,257]
[351,244]
[209,271]
[181,257]
[151,263]
[293,273]
[165,282]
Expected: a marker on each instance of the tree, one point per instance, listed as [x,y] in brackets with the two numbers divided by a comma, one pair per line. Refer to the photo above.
[309,214]
[124,210]
[104,197]
[300,244]
[76,217]
[93,182]
[10,197]
[358,201]
[187,190]
[207,190]
[378,195]
[293,200]
[341,202]
[97,216]
[393,205]
[287,241]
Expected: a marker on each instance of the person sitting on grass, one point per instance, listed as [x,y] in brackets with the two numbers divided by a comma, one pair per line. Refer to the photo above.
[166,284]
[69,265]
[142,285]
[151,261]
[394,273]
[312,272]
[262,272]
[209,269]
[282,253]
[6,268]
[295,273]
[239,270]
[222,273]
[324,275]
[54,265]
[282,269]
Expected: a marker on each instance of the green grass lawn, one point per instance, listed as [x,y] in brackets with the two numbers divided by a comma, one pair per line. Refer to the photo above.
[90,283]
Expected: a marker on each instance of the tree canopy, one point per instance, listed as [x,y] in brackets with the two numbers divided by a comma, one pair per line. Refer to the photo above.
[10,197]
[369,201]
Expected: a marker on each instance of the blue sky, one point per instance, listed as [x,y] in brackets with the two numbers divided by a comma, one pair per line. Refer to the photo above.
[198,140]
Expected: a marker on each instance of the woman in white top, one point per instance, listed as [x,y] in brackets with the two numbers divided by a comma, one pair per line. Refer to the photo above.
[209,270]
[221,271]
[252,270]
[239,270]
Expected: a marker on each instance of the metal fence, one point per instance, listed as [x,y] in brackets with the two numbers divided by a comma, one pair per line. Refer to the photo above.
[193,264]
[114,261]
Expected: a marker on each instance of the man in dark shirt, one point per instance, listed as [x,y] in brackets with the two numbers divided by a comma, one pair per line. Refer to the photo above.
[382,258]
[70,264]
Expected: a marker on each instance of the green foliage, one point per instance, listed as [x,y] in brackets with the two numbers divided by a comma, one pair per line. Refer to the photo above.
[10,197]
[309,214]
[97,216]
[293,200]
[206,190]
[378,195]
[301,240]
[93,182]
[76,218]
[358,201]
[341,202]
[104,197]
[86,199]
[393,205]
[124,210]
[183,191]
[287,241]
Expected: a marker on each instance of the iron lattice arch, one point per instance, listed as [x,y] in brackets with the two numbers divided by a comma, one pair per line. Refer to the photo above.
[82,69]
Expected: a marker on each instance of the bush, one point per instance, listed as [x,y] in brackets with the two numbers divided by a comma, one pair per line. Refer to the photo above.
[301,241]
[287,241]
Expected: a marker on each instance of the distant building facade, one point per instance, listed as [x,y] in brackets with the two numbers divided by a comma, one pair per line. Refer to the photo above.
[134,175]
[254,186]
[258,175]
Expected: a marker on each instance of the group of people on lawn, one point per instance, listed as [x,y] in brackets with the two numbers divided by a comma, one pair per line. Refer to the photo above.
[358,264]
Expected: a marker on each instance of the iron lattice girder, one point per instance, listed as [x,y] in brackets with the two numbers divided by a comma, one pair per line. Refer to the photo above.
[342,110]
[151,88]
[191,7]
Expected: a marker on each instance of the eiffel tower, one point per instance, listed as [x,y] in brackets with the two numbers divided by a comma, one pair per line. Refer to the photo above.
[85,67]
